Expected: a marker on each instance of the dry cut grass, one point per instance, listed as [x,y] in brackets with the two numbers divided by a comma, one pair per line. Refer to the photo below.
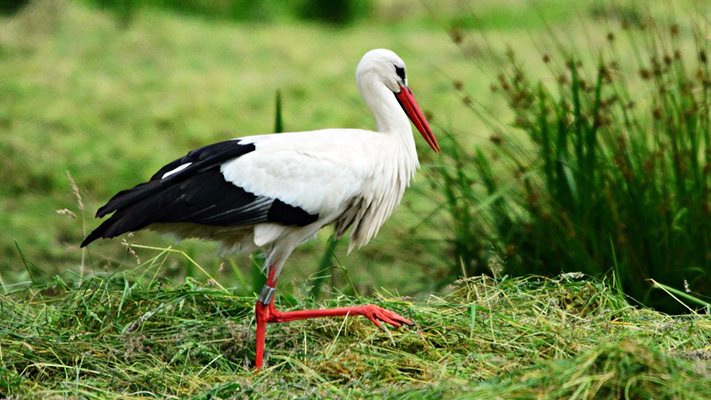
[127,335]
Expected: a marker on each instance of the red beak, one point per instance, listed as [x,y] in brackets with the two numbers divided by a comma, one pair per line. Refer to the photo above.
[413,111]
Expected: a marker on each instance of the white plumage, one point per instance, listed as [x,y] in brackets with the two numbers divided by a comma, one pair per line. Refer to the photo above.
[351,178]
[330,173]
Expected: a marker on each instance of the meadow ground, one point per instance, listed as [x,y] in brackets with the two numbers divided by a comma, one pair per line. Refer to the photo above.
[130,336]
[86,99]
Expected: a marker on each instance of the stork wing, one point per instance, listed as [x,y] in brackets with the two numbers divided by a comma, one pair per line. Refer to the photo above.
[317,171]
[193,189]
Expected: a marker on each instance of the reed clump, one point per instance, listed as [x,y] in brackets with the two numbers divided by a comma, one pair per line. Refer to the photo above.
[604,167]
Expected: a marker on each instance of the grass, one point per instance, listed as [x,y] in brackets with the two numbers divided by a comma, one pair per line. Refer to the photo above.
[112,104]
[131,335]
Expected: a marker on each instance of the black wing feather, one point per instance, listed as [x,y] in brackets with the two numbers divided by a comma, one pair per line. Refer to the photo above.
[197,194]
[200,159]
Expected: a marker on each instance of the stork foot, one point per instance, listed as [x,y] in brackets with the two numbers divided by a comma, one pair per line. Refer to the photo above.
[266,313]
[374,313]
[377,314]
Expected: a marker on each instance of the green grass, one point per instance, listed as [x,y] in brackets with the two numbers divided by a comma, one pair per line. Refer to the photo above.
[128,335]
[112,104]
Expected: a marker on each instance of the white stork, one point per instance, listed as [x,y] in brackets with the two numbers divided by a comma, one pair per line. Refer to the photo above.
[276,191]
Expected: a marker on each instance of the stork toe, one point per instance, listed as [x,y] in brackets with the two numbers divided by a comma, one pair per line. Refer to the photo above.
[377,314]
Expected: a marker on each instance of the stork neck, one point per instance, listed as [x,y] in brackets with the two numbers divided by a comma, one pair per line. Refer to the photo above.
[394,124]
[389,115]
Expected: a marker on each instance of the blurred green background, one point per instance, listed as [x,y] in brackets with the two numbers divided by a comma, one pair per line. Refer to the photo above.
[103,93]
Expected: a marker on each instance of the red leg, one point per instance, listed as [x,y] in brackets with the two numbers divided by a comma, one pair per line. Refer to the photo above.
[261,312]
[266,313]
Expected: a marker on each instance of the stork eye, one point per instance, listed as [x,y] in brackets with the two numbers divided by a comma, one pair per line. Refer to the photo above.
[400,71]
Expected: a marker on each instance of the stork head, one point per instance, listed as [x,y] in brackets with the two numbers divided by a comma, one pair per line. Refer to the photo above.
[384,67]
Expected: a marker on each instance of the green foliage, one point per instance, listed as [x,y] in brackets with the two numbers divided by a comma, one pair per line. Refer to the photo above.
[614,171]
[329,11]
[130,335]
[9,7]
[334,11]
